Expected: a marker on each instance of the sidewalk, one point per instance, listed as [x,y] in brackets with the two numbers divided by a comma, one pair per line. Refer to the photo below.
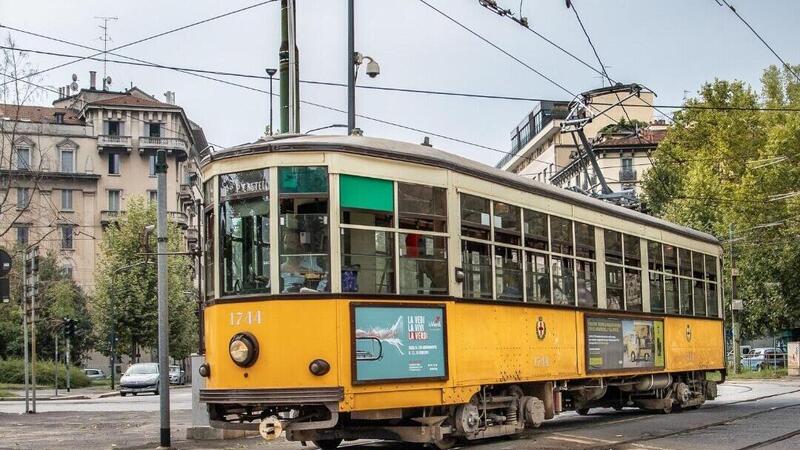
[48,393]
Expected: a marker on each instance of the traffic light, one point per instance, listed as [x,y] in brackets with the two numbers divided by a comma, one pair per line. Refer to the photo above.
[69,326]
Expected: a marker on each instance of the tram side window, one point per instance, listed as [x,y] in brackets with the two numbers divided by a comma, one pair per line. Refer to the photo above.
[367,254]
[671,280]
[368,261]
[366,201]
[685,281]
[538,277]
[699,284]
[423,264]
[563,280]
[585,252]
[421,207]
[655,264]
[209,227]
[561,235]
[508,273]
[477,269]
[536,234]
[623,271]
[244,225]
[711,286]
[303,229]
[475,221]
[506,223]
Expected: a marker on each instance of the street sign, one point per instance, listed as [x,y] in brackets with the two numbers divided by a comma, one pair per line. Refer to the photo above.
[737,305]
[5,263]
[735,271]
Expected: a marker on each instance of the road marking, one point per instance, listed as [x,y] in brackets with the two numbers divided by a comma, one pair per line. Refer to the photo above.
[576,441]
[590,440]
[649,447]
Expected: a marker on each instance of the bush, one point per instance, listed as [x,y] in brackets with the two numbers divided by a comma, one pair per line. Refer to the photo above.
[12,371]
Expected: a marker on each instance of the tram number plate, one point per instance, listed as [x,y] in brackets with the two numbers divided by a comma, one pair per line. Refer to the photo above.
[245,318]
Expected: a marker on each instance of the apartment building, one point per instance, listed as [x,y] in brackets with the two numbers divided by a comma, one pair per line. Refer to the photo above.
[541,151]
[75,165]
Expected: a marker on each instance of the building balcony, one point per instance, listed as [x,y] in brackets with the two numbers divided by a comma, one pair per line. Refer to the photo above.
[185,193]
[627,175]
[178,217]
[108,216]
[192,235]
[109,142]
[162,143]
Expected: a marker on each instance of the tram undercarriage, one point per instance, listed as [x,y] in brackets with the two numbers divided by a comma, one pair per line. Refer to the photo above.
[496,410]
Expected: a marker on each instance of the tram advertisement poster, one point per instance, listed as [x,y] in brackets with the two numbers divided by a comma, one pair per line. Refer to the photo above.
[399,343]
[616,343]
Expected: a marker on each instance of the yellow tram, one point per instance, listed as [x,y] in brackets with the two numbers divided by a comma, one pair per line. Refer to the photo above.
[368,288]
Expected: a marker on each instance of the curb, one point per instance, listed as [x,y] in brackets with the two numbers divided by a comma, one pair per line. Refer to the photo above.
[109,394]
[46,399]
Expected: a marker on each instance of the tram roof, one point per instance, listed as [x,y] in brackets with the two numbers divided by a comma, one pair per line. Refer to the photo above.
[421,154]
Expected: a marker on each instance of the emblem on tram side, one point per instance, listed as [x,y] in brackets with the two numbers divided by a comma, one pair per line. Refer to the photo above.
[541,328]
[688,332]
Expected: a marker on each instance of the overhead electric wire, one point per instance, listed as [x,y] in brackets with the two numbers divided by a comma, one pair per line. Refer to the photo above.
[571,4]
[394,88]
[785,64]
[138,41]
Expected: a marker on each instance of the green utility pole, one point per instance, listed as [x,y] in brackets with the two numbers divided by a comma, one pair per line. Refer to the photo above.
[289,87]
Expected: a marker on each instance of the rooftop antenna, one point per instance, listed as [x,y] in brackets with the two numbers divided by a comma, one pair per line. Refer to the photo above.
[105,38]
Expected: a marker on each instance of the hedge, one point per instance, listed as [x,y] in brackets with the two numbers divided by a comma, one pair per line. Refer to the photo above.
[12,371]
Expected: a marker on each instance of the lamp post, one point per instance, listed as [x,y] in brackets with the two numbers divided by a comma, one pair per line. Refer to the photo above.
[354,60]
[271,73]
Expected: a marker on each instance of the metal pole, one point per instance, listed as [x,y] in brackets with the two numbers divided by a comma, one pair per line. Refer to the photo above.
[25,329]
[283,57]
[55,370]
[271,130]
[294,89]
[33,349]
[113,356]
[351,68]
[734,323]
[68,362]
[163,317]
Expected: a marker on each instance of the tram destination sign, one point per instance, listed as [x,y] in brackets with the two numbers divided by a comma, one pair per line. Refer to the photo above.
[398,343]
[615,343]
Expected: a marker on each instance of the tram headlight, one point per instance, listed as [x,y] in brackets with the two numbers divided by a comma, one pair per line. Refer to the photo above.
[243,349]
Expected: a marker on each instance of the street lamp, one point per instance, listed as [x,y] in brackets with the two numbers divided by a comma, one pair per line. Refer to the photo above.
[271,73]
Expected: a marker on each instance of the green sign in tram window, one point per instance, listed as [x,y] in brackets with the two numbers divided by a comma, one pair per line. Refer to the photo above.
[298,180]
[366,193]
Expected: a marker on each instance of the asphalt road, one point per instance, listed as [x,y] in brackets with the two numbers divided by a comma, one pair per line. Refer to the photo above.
[745,416]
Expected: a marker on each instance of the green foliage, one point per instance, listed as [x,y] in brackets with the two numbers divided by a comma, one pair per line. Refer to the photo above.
[126,297]
[59,297]
[12,371]
[721,168]
[624,126]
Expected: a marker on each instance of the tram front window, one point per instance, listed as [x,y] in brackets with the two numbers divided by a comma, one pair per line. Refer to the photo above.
[303,224]
[244,211]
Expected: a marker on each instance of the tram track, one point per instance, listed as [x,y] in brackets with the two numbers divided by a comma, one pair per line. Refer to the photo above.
[617,445]
[771,441]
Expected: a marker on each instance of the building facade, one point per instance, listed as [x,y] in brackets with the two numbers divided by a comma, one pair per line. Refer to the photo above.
[542,151]
[75,165]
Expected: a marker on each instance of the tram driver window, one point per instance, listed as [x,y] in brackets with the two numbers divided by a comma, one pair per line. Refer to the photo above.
[244,225]
[303,225]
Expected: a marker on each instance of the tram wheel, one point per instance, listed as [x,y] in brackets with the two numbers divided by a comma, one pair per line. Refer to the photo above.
[666,409]
[445,443]
[327,444]
[582,411]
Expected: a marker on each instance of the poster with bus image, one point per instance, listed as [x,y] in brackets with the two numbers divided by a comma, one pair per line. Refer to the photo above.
[614,343]
[398,343]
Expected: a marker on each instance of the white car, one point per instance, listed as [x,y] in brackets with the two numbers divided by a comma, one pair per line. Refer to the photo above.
[176,375]
[139,378]
[94,374]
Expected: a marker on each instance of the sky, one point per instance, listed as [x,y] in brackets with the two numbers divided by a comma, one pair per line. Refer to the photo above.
[672,47]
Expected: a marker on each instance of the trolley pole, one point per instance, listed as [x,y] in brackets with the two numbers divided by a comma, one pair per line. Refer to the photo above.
[163,316]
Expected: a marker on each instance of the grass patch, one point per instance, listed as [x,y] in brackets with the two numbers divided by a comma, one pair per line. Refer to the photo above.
[766,374]
[12,370]
[4,393]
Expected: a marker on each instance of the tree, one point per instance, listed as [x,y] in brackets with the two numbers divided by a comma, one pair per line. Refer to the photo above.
[732,167]
[126,300]
[59,296]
